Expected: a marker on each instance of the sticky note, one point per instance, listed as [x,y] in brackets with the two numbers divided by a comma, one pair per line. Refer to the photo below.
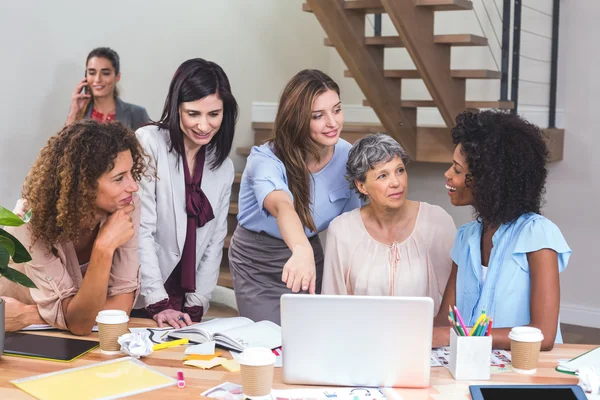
[201,349]
[231,365]
[201,357]
[205,364]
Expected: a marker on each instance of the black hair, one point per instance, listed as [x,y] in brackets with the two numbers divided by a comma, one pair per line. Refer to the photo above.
[110,55]
[194,80]
[507,158]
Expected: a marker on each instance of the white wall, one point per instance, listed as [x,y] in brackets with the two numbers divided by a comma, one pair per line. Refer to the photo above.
[260,45]
[573,186]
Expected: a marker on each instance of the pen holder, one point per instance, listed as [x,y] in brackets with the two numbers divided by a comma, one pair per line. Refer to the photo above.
[470,357]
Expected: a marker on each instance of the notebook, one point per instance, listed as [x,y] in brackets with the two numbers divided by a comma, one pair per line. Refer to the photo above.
[234,333]
[589,359]
[112,379]
[46,347]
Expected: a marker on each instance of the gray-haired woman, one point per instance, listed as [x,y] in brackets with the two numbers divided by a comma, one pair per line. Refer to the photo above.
[391,246]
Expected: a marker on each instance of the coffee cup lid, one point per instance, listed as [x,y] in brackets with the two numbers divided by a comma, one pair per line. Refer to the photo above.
[256,356]
[112,317]
[526,334]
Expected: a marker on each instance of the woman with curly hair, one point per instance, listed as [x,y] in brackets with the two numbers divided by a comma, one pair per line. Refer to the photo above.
[507,261]
[83,232]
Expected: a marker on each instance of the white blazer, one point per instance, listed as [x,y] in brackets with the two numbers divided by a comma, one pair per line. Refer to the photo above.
[164,221]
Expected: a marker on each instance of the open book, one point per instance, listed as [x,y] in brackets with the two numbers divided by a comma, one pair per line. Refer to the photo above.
[589,359]
[235,333]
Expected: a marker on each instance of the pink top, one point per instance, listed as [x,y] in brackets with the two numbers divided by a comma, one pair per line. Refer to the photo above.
[60,277]
[357,264]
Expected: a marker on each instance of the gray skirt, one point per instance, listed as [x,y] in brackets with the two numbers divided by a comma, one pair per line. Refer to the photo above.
[256,262]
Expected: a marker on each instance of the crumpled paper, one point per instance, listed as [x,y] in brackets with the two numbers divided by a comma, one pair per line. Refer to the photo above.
[589,380]
[137,344]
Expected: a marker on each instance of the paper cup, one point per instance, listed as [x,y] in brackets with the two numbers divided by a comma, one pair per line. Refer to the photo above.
[256,367]
[111,325]
[525,344]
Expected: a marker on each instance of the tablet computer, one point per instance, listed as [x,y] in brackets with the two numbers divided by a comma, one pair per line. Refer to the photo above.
[46,347]
[522,392]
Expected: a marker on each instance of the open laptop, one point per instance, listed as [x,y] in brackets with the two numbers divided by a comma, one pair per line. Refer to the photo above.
[356,340]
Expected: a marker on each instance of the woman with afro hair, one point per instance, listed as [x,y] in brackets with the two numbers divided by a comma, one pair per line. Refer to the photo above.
[507,261]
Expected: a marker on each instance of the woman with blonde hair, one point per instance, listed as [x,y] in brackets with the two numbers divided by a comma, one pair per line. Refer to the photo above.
[83,232]
[291,189]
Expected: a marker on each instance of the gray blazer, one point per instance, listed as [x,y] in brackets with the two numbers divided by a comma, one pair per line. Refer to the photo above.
[130,115]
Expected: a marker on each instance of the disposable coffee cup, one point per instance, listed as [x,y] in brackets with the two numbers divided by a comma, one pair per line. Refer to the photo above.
[525,344]
[111,325]
[256,367]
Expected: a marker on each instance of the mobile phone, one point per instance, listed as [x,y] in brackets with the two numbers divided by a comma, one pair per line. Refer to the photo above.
[86,88]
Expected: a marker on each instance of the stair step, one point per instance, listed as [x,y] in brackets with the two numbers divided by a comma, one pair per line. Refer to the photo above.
[434,143]
[227,242]
[366,6]
[455,73]
[461,40]
[445,5]
[225,279]
[375,6]
[238,177]
[233,208]
[243,151]
[502,105]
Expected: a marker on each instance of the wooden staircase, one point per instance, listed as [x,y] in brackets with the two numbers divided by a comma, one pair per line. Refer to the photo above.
[344,25]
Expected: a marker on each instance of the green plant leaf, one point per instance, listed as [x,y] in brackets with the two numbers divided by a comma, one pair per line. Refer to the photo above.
[18,277]
[21,254]
[4,256]
[8,245]
[27,216]
[7,218]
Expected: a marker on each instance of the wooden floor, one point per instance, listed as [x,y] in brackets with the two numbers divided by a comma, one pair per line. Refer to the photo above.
[580,334]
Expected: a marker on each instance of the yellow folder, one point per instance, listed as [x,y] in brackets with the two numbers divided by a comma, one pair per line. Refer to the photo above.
[110,379]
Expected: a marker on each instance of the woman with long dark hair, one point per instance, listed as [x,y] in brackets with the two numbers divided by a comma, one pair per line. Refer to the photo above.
[184,210]
[97,97]
[291,189]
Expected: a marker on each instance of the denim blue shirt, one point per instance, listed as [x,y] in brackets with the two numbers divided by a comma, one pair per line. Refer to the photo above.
[505,293]
[330,194]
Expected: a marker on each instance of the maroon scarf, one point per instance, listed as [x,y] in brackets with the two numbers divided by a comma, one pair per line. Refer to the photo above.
[199,212]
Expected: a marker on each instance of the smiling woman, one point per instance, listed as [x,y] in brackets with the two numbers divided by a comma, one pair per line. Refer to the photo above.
[97,97]
[291,189]
[82,234]
[184,221]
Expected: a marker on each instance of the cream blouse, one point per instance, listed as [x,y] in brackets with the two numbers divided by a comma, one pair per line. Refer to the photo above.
[357,264]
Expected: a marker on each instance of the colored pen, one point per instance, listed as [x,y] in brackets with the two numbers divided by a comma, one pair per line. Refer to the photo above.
[180,380]
[474,328]
[172,343]
[489,329]
[460,320]
[451,312]
[453,324]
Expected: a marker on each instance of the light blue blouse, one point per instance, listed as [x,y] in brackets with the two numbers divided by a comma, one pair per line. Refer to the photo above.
[330,194]
[504,295]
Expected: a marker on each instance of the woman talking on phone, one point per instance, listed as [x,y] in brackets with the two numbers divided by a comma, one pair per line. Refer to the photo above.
[97,97]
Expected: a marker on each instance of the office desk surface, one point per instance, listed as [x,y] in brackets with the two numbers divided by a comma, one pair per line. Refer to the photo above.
[168,361]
